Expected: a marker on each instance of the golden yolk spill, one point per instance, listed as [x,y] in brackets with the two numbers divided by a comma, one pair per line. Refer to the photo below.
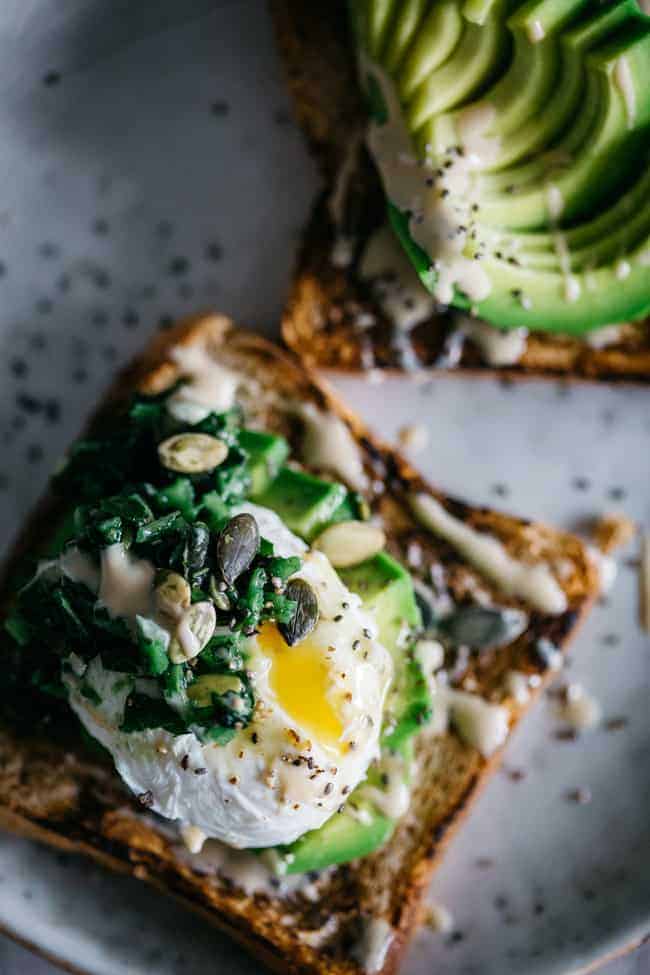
[300,679]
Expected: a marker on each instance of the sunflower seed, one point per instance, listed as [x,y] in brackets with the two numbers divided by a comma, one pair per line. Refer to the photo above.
[237,546]
[350,543]
[192,453]
[173,593]
[305,616]
[194,630]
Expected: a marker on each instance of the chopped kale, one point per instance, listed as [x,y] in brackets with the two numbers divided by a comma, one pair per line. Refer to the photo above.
[175,522]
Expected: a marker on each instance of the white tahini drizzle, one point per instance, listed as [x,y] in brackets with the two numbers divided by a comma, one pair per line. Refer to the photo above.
[440,207]
[478,722]
[497,348]
[534,583]
[579,709]
[126,583]
[328,444]
[209,386]
[625,84]
[600,338]
[373,946]
[395,283]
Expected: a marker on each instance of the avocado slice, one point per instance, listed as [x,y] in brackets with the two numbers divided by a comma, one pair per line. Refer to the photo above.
[267,453]
[344,837]
[533,121]
[386,590]
[304,502]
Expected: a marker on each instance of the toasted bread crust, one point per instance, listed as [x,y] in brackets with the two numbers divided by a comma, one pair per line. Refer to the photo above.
[326,303]
[62,796]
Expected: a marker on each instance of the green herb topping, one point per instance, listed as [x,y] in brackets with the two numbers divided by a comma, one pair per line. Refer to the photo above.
[167,492]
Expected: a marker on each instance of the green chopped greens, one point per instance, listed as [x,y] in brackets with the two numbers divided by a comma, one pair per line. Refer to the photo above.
[129,498]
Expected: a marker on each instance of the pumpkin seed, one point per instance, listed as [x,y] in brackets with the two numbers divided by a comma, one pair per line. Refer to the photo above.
[192,453]
[305,615]
[194,630]
[173,593]
[482,627]
[350,542]
[237,546]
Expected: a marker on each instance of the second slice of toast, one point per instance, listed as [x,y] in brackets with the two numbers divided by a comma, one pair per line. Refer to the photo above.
[334,318]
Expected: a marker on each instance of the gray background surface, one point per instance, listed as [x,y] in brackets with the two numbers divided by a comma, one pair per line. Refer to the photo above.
[149,168]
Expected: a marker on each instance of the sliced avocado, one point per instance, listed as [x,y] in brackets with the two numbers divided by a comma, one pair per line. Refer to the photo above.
[267,453]
[387,592]
[304,502]
[358,830]
[345,836]
[550,100]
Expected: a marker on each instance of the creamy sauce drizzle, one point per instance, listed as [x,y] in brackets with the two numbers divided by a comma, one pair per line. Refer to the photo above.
[343,248]
[579,709]
[600,338]
[396,287]
[497,348]
[329,445]
[478,723]
[517,687]
[126,583]
[572,287]
[622,270]
[208,387]
[441,208]
[534,583]
[625,84]
[375,942]
[554,201]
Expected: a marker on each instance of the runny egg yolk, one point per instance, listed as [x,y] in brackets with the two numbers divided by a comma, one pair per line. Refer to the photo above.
[300,678]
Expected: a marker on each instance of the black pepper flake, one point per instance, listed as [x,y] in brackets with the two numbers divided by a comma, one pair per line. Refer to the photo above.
[329,788]
[255,738]
[580,483]
[179,265]
[366,632]
[185,762]
[34,453]
[146,799]
[565,734]
[214,251]
[18,367]
[200,771]
[130,318]
[338,617]
[616,724]
[581,795]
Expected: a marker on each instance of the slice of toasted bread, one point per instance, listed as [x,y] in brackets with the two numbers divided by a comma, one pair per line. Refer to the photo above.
[61,794]
[326,320]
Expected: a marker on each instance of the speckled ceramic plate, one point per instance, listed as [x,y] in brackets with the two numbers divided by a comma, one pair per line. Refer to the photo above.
[149,169]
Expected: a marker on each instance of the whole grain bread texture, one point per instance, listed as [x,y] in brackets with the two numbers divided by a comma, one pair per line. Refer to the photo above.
[59,793]
[329,310]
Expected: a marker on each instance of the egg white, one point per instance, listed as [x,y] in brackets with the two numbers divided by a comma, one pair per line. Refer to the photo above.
[275,780]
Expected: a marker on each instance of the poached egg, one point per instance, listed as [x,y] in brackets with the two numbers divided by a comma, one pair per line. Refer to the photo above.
[315,729]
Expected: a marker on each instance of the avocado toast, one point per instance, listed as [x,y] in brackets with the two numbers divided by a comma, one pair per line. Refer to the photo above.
[497,598]
[357,302]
